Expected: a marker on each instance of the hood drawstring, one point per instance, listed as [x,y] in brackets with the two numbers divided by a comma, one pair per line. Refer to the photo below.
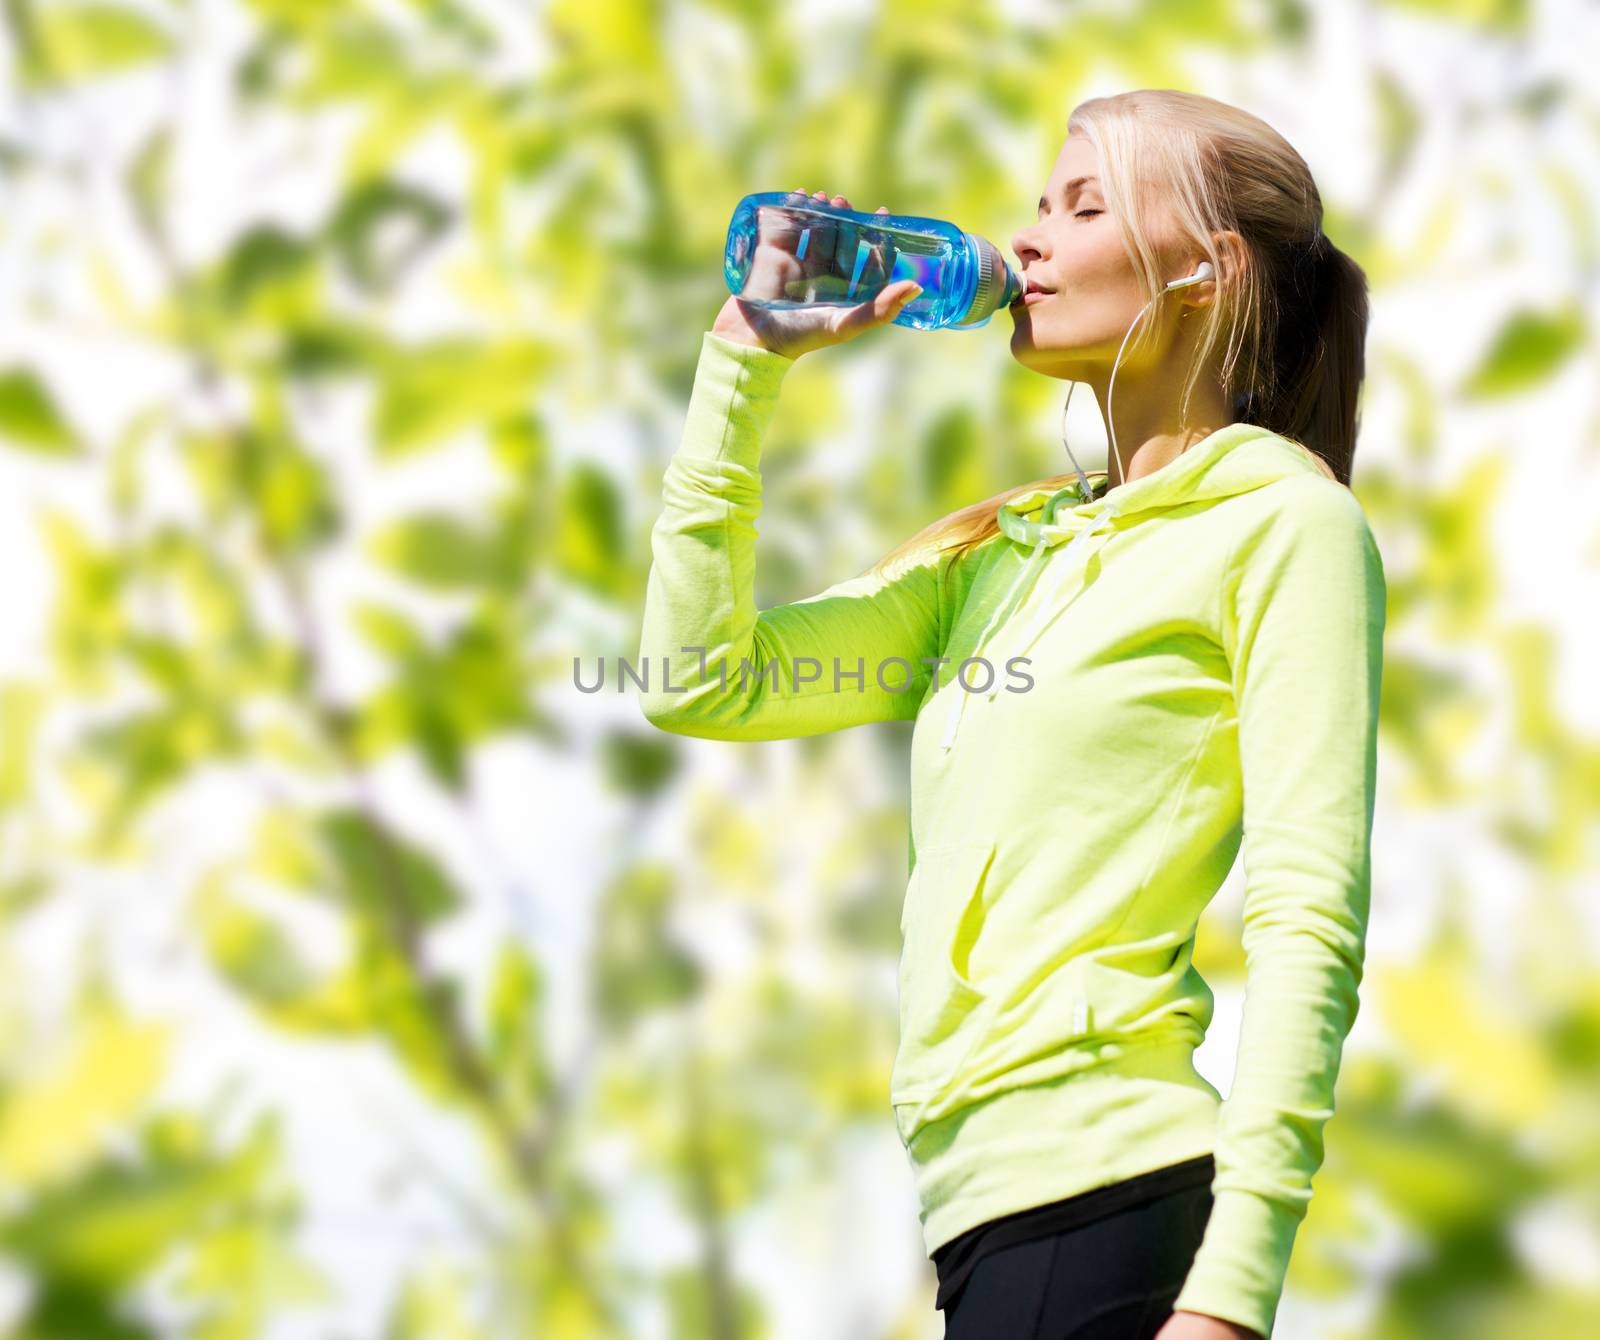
[1047,532]
[1029,569]
[1102,529]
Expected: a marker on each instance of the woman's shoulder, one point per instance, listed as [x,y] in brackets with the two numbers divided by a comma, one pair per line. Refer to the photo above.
[1306,500]
[1306,519]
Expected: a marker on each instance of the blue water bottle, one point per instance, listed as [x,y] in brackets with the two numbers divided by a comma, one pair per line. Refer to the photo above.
[787,249]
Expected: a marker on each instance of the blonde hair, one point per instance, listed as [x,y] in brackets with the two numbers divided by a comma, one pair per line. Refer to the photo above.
[1291,322]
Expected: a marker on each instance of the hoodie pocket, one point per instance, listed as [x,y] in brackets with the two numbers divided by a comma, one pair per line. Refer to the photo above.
[940,923]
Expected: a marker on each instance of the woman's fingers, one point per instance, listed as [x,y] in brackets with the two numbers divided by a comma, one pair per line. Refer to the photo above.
[877,266]
[885,305]
[836,199]
[877,311]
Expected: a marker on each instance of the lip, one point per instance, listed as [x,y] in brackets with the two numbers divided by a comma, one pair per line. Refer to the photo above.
[1034,295]
[1031,289]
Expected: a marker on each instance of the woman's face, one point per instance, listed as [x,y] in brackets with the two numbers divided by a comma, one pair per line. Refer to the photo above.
[1075,250]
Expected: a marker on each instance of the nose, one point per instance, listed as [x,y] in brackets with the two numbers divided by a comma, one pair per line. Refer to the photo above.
[1022,245]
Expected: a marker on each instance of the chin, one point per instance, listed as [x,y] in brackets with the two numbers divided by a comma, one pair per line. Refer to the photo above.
[1047,362]
[1057,360]
[1024,347]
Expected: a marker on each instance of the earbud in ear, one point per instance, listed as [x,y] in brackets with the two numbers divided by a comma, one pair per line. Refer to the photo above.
[1202,271]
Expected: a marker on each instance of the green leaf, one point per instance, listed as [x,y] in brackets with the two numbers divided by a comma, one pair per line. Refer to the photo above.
[380,874]
[1506,15]
[147,179]
[516,1049]
[381,227]
[432,391]
[1398,122]
[589,537]
[635,764]
[269,273]
[81,41]
[382,992]
[29,418]
[1443,1175]
[1530,347]
[89,621]
[472,685]
[244,1276]
[1573,199]
[952,453]
[149,750]
[440,550]
[637,966]
[54,1123]
[521,446]
[435,1301]
[389,631]
[106,1229]
[409,713]
[21,707]
[294,497]
[323,345]
[694,1308]
[516,991]
[250,948]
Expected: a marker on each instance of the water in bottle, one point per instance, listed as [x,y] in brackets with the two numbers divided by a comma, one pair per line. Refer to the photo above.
[787,249]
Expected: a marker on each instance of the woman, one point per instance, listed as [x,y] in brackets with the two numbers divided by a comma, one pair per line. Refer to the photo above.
[1113,688]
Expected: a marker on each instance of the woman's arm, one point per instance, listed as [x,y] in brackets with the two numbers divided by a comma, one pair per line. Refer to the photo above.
[811,666]
[1304,620]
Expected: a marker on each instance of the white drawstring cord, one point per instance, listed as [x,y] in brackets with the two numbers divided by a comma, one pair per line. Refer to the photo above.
[1107,515]
[999,617]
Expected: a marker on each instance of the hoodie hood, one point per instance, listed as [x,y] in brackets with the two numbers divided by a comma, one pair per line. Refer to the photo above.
[1234,459]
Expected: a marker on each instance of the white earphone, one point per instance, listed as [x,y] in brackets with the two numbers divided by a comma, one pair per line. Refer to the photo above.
[1202,272]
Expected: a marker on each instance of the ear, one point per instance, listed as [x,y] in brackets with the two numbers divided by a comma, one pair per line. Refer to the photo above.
[1232,258]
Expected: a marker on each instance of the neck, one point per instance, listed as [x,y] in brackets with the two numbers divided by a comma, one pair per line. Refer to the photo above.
[1148,432]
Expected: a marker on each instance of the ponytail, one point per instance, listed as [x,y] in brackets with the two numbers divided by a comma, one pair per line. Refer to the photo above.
[1311,357]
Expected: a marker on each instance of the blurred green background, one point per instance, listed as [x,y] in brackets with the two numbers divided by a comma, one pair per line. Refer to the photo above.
[362,977]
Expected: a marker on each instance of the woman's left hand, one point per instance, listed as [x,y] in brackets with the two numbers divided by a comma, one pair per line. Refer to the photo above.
[1198,1326]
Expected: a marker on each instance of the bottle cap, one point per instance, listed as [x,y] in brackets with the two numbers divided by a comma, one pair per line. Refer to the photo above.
[997,286]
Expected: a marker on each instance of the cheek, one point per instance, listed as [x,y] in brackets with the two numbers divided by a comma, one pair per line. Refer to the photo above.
[1097,257]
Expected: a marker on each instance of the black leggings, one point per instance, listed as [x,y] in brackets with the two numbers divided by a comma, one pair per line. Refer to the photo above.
[1113,1279]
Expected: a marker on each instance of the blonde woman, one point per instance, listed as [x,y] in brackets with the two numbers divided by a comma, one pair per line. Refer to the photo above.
[1113,689]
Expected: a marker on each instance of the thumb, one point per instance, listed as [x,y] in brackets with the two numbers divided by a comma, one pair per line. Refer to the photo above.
[886,306]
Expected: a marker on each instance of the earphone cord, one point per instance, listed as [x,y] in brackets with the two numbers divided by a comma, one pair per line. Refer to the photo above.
[1111,427]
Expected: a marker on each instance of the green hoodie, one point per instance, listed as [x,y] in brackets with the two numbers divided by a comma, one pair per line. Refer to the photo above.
[1202,653]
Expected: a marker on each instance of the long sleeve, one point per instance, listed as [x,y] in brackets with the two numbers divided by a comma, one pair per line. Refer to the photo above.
[714,666]
[1304,611]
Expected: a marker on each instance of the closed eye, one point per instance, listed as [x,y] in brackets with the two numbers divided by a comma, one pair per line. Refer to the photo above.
[1084,212]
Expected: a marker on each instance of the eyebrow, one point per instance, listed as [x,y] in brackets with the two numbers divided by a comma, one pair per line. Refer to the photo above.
[1070,187]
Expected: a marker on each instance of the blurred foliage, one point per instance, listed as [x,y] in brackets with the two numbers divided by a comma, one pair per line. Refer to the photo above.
[480,241]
